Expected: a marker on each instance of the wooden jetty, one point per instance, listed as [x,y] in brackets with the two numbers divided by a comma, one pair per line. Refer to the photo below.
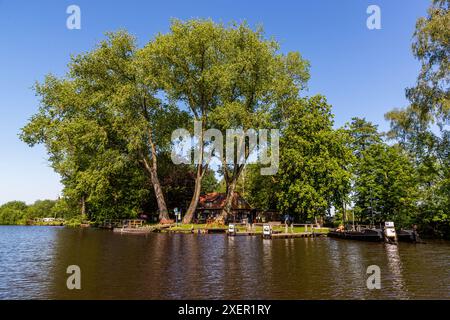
[178,230]
[269,232]
[137,227]
[284,235]
[309,231]
[233,230]
[244,233]
[133,230]
[111,223]
[214,230]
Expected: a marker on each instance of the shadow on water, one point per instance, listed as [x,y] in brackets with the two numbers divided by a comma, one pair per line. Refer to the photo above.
[34,260]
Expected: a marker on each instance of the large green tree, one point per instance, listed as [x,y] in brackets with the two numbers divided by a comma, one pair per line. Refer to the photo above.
[314,162]
[423,127]
[363,134]
[267,84]
[229,77]
[385,186]
[13,212]
[258,189]
[103,126]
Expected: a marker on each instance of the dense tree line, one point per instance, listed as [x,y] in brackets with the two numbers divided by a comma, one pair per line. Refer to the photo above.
[422,129]
[107,126]
[403,175]
[18,212]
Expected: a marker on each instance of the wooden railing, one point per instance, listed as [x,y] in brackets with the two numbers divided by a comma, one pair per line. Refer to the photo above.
[122,223]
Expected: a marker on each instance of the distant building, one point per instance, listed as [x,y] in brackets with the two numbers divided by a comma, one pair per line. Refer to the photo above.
[210,206]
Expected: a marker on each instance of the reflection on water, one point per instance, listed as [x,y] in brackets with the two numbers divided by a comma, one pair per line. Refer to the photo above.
[395,269]
[33,262]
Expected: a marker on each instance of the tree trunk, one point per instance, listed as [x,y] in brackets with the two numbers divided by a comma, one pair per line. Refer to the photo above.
[162,208]
[153,168]
[194,201]
[226,211]
[198,180]
[344,214]
[231,187]
[83,206]
[153,171]
[231,182]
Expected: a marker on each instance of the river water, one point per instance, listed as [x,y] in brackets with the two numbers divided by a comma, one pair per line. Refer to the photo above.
[34,261]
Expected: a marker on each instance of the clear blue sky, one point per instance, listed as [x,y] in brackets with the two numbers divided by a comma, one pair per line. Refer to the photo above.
[362,72]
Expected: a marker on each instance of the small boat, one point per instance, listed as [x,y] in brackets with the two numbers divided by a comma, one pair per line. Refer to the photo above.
[373,235]
[386,233]
[408,236]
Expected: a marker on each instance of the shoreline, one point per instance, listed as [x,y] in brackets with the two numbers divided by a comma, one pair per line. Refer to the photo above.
[200,229]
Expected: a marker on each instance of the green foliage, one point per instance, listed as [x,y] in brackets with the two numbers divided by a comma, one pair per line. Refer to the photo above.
[100,124]
[41,209]
[226,76]
[75,221]
[384,178]
[423,127]
[258,189]
[313,171]
[13,212]
[363,135]
[385,186]
[17,212]
[230,70]
[209,182]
